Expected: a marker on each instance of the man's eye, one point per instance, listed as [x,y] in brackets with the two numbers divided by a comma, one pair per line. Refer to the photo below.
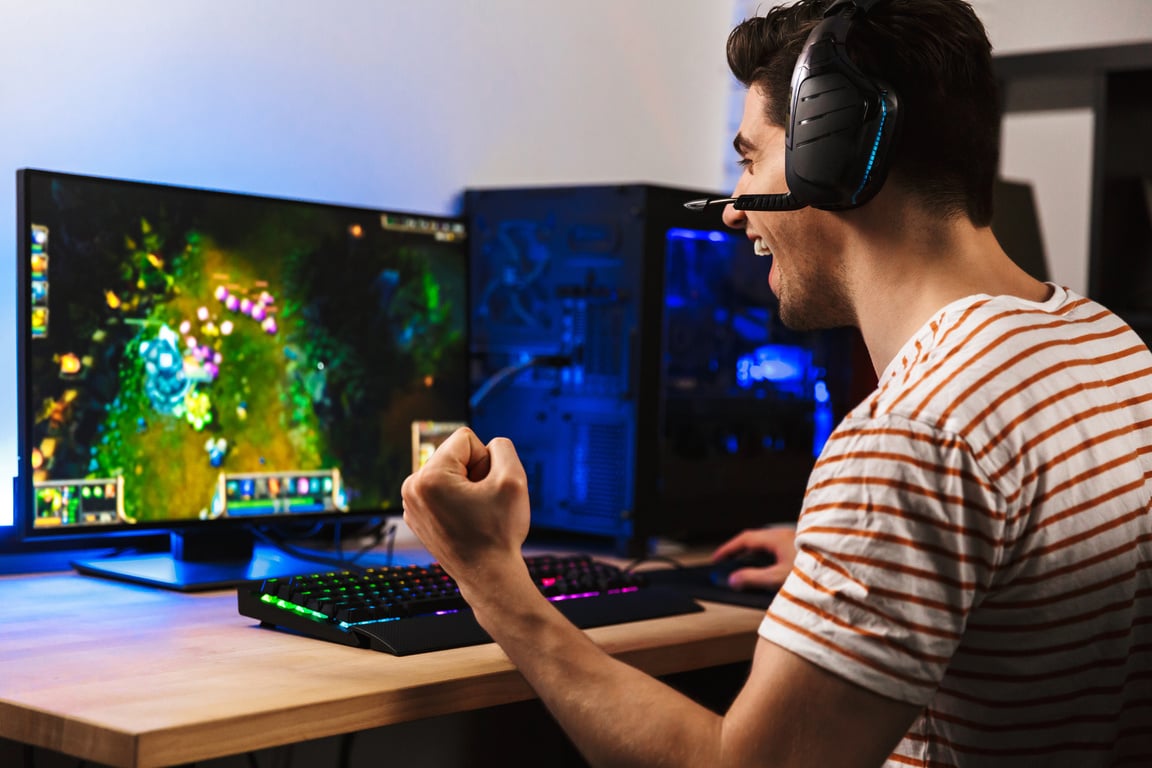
[745,163]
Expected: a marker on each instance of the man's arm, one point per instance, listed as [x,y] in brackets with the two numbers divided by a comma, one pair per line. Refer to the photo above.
[789,713]
[469,505]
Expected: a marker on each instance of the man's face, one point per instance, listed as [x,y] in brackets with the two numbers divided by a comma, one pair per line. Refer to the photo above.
[807,273]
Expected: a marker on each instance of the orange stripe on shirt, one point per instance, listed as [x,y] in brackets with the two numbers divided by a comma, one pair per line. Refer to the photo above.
[883,565]
[954,328]
[1090,533]
[1048,650]
[1031,626]
[1058,597]
[1076,450]
[1087,475]
[813,512]
[864,660]
[870,607]
[903,458]
[981,383]
[1000,702]
[1080,565]
[960,502]
[846,432]
[1028,446]
[1013,726]
[1029,413]
[873,636]
[1049,675]
[985,350]
[905,541]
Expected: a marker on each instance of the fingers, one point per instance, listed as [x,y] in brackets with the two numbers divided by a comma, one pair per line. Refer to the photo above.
[735,546]
[771,577]
[499,454]
[776,540]
[461,451]
[479,467]
[503,450]
[462,467]
[503,457]
[469,504]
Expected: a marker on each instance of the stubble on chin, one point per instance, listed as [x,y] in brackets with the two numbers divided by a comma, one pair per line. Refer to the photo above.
[813,302]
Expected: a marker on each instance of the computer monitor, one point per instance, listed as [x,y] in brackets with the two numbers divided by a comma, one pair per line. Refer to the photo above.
[206,364]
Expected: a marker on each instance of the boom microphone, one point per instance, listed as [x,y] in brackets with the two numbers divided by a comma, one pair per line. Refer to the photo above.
[785,202]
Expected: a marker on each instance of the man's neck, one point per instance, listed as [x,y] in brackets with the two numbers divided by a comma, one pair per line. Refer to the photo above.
[904,277]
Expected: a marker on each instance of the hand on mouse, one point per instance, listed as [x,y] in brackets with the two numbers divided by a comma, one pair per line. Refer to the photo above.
[777,541]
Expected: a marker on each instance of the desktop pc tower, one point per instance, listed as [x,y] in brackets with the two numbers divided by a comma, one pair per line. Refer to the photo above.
[632,351]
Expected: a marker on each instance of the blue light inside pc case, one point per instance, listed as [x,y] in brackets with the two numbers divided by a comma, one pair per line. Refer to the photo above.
[779,364]
[699,265]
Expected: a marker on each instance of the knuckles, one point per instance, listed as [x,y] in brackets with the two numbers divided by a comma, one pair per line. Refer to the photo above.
[425,488]
[511,485]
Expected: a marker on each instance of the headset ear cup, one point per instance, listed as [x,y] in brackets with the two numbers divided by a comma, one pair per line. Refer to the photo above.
[825,137]
[841,123]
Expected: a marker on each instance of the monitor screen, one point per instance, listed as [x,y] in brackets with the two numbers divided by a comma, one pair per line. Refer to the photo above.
[190,359]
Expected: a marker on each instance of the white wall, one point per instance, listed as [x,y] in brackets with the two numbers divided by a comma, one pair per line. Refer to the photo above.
[1030,26]
[384,103]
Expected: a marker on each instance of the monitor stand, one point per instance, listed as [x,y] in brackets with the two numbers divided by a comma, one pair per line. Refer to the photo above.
[199,561]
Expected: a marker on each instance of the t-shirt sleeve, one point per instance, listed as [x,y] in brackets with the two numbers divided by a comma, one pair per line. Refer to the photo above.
[899,537]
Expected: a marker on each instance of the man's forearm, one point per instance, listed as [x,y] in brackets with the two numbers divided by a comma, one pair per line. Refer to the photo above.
[615,714]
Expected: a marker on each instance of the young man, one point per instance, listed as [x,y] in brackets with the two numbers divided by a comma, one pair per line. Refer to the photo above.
[973,573]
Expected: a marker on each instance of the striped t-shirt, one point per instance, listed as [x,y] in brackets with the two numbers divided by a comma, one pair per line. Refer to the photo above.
[977,538]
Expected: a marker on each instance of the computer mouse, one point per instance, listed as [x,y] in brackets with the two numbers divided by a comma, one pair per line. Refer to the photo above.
[722,569]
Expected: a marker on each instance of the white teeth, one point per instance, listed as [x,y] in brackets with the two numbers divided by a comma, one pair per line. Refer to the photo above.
[761,248]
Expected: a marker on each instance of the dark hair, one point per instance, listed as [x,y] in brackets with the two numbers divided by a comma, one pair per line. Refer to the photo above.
[935,54]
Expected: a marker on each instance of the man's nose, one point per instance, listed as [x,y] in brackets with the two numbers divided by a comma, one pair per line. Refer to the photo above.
[732,217]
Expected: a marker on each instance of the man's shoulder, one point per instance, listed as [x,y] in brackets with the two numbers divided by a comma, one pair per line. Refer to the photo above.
[983,349]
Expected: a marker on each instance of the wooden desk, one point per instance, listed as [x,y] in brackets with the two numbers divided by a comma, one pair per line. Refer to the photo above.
[133,676]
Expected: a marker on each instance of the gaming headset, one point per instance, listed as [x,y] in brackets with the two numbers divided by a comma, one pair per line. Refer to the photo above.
[839,129]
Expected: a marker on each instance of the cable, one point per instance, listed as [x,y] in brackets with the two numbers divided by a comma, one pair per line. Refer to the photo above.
[508,372]
[301,554]
[495,379]
[383,530]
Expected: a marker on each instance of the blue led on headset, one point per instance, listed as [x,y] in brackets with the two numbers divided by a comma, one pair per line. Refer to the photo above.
[875,147]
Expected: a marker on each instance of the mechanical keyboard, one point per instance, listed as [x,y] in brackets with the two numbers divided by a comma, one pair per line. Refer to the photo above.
[418,608]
